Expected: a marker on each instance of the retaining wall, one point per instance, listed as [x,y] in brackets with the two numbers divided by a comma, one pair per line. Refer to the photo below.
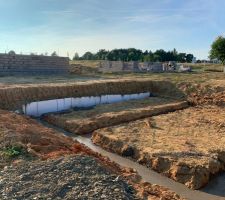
[13,64]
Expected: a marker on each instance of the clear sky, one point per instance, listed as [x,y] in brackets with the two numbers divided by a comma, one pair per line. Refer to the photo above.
[89,25]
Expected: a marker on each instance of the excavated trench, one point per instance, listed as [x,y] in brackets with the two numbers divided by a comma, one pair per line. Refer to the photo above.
[149,175]
[37,109]
[38,100]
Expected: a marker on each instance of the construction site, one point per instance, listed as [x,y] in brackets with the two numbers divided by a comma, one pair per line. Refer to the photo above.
[112,136]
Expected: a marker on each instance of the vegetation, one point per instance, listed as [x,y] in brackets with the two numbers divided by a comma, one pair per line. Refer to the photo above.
[133,54]
[218,49]
[54,54]
[12,151]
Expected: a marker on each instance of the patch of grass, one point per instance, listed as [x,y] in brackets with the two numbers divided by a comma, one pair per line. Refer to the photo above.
[12,151]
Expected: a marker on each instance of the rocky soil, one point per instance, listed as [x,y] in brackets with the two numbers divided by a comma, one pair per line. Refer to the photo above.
[186,145]
[86,121]
[52,166]
[77,177]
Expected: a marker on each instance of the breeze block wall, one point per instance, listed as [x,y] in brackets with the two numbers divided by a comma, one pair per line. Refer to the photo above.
[13,64]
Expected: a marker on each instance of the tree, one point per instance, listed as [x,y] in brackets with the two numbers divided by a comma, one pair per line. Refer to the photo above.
[175,52]
[54,54]
[76,56]
[181,57]
[218,49]
[101,54]
[132,54]
[12,52]
[189,58]
[88,56]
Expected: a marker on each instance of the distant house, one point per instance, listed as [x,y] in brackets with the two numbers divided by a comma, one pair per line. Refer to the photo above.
[215,61]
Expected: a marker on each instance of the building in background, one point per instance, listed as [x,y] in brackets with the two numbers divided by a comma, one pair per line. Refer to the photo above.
[15,64]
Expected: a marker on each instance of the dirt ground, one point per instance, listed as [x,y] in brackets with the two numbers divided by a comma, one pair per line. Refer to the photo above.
[86,121]
[194,77]
[42,143]
[186,145]
[196,88]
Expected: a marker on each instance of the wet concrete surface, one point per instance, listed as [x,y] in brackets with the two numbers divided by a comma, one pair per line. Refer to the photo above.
[216,186]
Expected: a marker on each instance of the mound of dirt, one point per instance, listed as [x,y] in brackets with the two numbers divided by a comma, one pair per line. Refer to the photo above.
[38,140]
[187,145]
[78,176]
[86,121]
[62,179]
[45,143]
[211,92]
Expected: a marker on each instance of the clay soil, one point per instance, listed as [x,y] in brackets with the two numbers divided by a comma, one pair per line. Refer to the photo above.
[186,145]
[86,121]
[42,143]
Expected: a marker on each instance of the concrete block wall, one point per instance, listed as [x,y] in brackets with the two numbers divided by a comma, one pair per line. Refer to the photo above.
[13,64]
[151,67]
[111,66]
[133,66]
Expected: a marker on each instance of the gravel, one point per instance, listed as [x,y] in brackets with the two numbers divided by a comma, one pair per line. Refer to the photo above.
[69,178]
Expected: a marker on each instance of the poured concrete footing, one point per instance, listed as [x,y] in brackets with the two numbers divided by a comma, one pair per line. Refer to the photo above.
[36,109]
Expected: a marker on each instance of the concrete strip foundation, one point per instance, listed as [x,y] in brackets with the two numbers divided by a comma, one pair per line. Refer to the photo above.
[37,109]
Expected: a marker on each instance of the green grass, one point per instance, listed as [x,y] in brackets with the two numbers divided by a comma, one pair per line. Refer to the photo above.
[206,67]
[12,151]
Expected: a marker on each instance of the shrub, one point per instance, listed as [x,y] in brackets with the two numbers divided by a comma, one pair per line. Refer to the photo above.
[12,151]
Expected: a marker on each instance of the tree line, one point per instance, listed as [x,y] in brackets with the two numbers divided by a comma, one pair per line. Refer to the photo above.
[133,54]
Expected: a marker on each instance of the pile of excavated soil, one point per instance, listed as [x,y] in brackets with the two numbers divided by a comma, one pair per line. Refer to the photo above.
[86,121]
[40,141]
[187,146]
[79,177]
[73,177]
[210,92]
[85,173]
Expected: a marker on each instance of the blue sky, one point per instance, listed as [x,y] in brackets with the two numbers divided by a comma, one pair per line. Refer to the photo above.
[89,25]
